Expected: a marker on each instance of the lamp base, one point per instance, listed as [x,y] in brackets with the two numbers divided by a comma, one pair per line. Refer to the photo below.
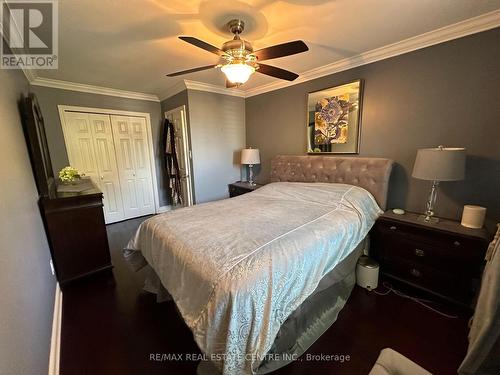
[428,216]
[428,219]
[250,180]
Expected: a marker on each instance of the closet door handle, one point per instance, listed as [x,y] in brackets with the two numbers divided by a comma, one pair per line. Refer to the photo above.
[102,177]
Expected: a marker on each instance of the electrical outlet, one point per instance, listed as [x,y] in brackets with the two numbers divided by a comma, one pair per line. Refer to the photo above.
[52,268]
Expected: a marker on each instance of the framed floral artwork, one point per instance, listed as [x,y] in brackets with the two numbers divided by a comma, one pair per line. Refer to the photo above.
[334,119]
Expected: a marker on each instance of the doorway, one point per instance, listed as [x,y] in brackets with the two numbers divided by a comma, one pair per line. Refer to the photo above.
[177,117]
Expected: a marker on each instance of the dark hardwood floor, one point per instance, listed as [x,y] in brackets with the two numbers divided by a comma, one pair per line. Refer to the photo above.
[110,326]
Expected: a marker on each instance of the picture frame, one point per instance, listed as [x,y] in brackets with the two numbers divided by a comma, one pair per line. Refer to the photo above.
[333,119]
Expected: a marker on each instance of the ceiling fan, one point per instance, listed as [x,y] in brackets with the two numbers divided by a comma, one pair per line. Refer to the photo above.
[238,60]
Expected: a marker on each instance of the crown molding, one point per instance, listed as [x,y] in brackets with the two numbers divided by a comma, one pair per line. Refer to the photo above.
[173,90]
[187,84]
[81,87]
[30,75]
[200,86]
[457,30]
[470,26]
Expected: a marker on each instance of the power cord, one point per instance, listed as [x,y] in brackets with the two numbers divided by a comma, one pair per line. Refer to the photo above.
[421,301]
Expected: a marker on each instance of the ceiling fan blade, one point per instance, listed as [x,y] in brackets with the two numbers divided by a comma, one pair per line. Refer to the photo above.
[191,70]
[280,50]
[203,45]
[230,85]
[276,72]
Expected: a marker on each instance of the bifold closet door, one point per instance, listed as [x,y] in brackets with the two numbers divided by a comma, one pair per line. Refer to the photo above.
[132,155]
[89,139]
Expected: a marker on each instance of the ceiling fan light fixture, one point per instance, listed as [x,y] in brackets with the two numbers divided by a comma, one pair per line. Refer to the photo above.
[238,73]
[238,60]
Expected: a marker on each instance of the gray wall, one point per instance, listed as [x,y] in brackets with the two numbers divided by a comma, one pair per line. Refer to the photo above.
[446,94]
[26,283]
[175,101]
[50,98]
[217,125]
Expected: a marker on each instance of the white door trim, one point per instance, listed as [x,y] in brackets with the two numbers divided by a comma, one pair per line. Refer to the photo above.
[187,145]
[55,340]
[63,108]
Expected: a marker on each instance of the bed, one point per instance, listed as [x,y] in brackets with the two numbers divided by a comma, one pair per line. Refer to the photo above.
[259,277]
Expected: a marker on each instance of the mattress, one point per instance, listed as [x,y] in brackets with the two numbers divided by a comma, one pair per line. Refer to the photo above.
[238,268]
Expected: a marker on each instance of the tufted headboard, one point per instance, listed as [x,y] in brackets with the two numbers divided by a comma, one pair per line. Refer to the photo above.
[371,174]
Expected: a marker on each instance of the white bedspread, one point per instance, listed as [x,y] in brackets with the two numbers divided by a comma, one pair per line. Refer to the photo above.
[237,268]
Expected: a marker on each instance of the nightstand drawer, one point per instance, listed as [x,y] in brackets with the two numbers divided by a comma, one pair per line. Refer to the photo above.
[436,239]
[444,258]
[235,191]
[239,188]
[408,248]
[449,284]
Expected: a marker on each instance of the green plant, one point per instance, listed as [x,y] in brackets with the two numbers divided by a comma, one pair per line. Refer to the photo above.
[69,174]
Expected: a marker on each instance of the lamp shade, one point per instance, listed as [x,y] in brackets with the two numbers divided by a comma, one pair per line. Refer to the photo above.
[440,164]
[250,156]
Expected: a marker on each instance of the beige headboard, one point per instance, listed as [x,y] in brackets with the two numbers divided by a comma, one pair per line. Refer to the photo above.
[371,174]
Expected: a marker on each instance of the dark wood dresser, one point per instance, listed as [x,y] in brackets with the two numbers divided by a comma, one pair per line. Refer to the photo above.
[75,228]
[444,259]
[74,222]
[241,187]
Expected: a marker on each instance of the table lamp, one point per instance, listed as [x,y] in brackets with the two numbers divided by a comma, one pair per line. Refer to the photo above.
[436,165]
[250,157]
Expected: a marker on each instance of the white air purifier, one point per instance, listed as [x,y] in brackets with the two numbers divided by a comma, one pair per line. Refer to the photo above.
[367,273]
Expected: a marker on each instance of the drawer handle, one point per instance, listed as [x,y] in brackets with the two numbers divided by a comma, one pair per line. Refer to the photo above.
[415,272]
[456,243]
[392,227]
[419,252]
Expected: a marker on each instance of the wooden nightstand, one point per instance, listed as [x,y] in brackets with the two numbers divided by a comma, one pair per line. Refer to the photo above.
[241,187]
[444,259]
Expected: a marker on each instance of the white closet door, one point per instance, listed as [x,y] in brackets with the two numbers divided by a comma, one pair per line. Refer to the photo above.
[91,151]
[132,155]
[80,145]
[108,169]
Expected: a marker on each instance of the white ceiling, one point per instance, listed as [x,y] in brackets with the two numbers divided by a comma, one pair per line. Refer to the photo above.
[131,44]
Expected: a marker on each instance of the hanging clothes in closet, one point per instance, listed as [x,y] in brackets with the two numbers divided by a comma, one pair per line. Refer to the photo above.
[171,163]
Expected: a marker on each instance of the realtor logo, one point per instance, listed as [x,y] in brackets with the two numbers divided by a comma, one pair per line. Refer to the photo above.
[30,34]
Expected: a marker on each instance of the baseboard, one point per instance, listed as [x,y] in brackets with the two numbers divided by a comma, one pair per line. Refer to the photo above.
[55,342]
[163,209]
